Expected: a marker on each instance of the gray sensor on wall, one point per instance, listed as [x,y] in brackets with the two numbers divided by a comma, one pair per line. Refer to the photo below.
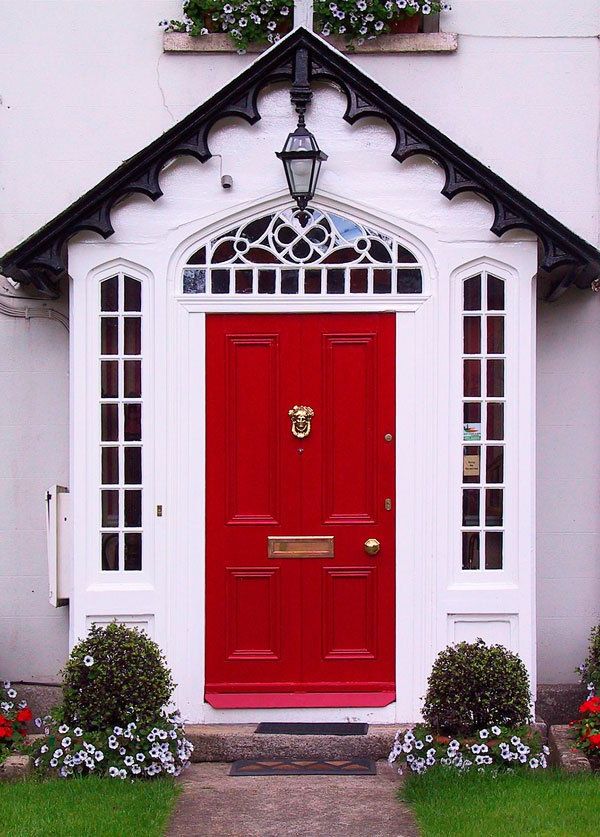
[226,181]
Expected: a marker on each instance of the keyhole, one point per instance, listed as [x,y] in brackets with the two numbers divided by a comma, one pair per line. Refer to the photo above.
[300,450]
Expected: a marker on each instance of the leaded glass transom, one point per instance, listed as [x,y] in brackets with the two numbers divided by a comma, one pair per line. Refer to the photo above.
[293,252]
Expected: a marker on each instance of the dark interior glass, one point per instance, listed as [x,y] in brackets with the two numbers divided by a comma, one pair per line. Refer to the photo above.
[109,379]
[312,282]
[472,294]
[405,256]
[470,507]
[110,422]
[133,509]
[266,281]
[133,551]
[109,294]
[289,281]
[495,420]
[133,294]
[382,280]
[243,281]
[133,466]
[132,378]
[495,378]
[219,281]
[133,335]
[110,466]
[199,257]
[493,550]
[471,412]
[472,335]
[359,280]
[495,294]
[472,378]
[494,468]
[109,336]
[495,335]
[470,550]
[110,551]
[133,422]
[409,281]
[493,507]
[335,281]
[110,508]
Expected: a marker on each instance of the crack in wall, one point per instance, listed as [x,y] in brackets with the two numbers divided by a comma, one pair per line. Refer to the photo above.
[162,92]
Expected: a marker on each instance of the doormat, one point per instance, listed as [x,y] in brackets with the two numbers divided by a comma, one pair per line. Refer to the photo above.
[304,767]
[312,729]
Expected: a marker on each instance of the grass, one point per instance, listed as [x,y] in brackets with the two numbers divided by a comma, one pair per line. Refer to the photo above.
[86,807]
[543,803]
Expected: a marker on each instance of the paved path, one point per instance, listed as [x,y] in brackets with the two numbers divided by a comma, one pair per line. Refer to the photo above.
[214,804]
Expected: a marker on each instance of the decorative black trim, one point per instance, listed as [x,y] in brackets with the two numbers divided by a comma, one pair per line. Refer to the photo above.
[302,58]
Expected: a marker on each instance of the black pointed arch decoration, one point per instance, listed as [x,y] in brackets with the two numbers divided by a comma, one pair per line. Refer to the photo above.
[300,59]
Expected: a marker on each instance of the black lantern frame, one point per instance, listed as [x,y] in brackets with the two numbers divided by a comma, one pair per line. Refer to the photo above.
[302,158]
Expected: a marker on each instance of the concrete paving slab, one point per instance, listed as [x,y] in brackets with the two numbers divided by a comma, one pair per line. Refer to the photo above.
[214,804]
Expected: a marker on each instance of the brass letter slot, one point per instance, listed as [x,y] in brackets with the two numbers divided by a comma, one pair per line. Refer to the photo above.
[300,547]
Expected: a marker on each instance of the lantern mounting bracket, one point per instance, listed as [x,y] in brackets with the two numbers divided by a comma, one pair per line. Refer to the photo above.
[300,91]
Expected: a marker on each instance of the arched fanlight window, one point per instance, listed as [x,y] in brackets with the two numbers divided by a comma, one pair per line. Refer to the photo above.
[303,253]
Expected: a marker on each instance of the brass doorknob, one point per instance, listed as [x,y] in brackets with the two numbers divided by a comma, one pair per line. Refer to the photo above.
[372,546]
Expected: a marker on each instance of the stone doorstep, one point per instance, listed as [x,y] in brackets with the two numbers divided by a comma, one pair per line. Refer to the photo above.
[563,752]
[229,742]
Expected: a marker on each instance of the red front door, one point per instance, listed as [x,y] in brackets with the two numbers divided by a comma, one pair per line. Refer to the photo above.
[300,623]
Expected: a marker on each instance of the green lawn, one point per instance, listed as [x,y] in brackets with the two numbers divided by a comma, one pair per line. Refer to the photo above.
[90,807]
[543,803]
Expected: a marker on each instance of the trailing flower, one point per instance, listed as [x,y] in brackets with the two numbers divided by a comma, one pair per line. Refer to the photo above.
[587,728]
[245,21]
[357,20]
[137,750]
[14,716]
[419,749]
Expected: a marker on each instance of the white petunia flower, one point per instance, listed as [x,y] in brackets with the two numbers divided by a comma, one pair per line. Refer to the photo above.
[228,8]
[98,755]
[113,771]
[44,748]
[496,730]
[88,660]
[78,732]
[63,728]
[66,742]
[483,733]
[11,693]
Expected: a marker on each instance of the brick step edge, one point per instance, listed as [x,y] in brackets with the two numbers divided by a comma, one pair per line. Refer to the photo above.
[563,752]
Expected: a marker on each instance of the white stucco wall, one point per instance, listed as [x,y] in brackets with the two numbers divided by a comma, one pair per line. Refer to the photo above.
[85,85]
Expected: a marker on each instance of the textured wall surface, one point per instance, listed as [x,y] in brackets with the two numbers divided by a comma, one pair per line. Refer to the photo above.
[84,85]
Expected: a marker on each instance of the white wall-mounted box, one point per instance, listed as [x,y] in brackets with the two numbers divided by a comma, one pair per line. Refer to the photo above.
[58,509]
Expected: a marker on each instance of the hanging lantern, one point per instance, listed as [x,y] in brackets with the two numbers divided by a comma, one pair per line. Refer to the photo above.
[302,160]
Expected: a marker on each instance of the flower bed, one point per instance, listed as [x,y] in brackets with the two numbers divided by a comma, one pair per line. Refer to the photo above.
[359,20]
[587,730]
[14,716]
[421,748]
[113,719]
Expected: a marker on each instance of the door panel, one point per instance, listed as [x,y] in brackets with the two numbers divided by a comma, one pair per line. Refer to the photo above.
[287,623]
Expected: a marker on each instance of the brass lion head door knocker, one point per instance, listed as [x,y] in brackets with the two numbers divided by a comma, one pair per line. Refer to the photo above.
[301,417]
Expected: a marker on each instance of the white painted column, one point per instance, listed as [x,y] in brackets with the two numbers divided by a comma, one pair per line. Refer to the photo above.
[303,14]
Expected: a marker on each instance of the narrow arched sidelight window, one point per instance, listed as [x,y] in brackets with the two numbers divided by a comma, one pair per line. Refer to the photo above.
[294,253]
[484,406]
[120,397]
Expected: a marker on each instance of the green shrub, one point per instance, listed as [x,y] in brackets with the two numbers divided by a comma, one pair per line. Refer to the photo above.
[474,685]
[114,675]
[590,670]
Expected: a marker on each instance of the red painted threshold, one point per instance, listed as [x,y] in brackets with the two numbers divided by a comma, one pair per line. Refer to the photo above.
[278,700]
